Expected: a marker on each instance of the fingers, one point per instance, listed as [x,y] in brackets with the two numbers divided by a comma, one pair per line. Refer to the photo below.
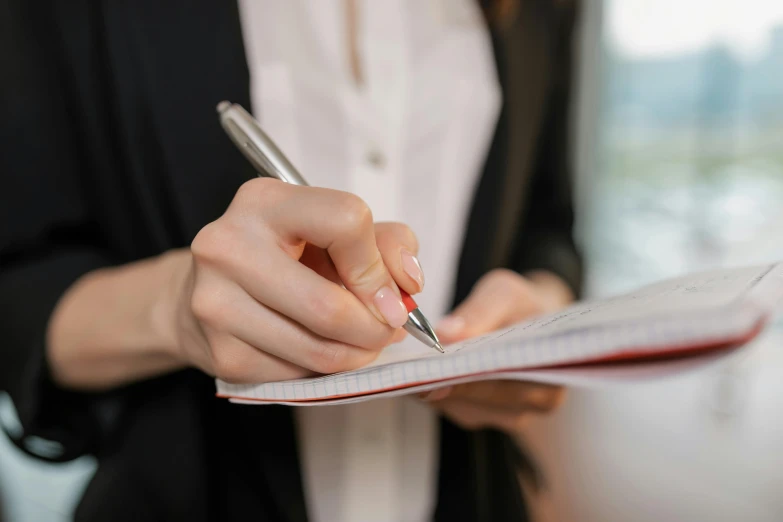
[399,336]
[236,362]
[228,253]
[319,305]
[398,246]
[283,338]
[512,396]
[251,343]
[438,394]
[471,416]
[499,299]
[319,261]
[243,303]
[342,224]
[293,280]
[495,404]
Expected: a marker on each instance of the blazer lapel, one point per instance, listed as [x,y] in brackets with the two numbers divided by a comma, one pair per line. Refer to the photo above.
[523,56]
[185,74]
[184,57]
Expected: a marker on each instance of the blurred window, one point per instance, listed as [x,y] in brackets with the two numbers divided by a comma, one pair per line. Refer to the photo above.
[680,161]
[689,166]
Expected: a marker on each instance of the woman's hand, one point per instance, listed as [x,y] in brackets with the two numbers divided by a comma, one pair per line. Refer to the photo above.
[289,282]
[501,298]
[263,299]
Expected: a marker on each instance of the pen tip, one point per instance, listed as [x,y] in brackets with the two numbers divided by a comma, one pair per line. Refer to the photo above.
[439,347]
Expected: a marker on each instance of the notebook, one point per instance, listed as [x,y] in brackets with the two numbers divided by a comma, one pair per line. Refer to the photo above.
[660,329]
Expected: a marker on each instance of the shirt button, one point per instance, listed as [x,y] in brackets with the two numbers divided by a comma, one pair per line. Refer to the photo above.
[376,158]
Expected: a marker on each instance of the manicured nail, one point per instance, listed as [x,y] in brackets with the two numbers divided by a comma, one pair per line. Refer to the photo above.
[451,326]
[412,267]
[438,395]
[391,308]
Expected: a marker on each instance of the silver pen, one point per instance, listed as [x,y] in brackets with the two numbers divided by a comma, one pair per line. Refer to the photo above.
[269,161]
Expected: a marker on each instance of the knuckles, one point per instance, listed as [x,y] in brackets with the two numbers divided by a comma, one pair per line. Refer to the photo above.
[208,306]
[409,237]
[514,288]
[330,313]
[208,242]
[216,250]
[326,357]
[508,279]
[393,233]
[352,215]
[228,365]
[361,275]
[218,243]
[259,192]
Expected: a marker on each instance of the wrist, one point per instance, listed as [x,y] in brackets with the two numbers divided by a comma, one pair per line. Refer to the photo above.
[173,269]
[114,325]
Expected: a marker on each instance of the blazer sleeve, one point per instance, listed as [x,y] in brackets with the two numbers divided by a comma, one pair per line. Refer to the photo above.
[47,238]
[546,239]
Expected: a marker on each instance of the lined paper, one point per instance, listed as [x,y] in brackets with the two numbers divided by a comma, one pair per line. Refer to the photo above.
[695,314]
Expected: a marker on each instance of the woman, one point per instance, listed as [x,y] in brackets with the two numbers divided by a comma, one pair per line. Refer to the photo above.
[114,329]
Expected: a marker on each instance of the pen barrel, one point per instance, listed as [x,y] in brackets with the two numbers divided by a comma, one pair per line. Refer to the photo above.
[256,146]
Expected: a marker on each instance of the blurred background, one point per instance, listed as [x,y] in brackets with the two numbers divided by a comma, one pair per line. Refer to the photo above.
[680,167]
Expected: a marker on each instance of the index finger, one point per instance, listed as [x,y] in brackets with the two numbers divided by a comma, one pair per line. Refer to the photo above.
[342,224]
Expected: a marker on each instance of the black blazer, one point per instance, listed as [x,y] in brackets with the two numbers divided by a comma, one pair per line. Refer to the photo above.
[111,152]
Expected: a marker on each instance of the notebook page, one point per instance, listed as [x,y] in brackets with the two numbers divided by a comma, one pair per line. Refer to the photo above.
[701,309]
[703,291]
[600,376]
[713,289]
[520,354]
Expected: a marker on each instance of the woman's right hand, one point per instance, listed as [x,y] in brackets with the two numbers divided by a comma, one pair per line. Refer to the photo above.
[262,296]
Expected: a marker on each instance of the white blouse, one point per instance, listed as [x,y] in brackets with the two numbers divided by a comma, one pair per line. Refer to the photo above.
[410,140]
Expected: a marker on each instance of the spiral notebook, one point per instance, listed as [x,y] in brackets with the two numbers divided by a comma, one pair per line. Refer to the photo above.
[667,327]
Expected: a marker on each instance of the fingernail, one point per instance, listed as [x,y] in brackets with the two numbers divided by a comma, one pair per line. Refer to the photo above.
[412,267]
[390,306]
[451,326]
[438,395]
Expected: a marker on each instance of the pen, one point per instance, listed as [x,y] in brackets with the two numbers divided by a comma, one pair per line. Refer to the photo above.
[269,161]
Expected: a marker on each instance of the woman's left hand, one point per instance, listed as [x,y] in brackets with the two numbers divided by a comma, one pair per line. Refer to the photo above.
[500,298]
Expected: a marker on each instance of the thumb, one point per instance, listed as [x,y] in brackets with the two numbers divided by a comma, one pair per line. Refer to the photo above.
[488,307]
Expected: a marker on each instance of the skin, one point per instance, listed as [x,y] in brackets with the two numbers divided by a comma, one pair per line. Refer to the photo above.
[289,282]
[501,298]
